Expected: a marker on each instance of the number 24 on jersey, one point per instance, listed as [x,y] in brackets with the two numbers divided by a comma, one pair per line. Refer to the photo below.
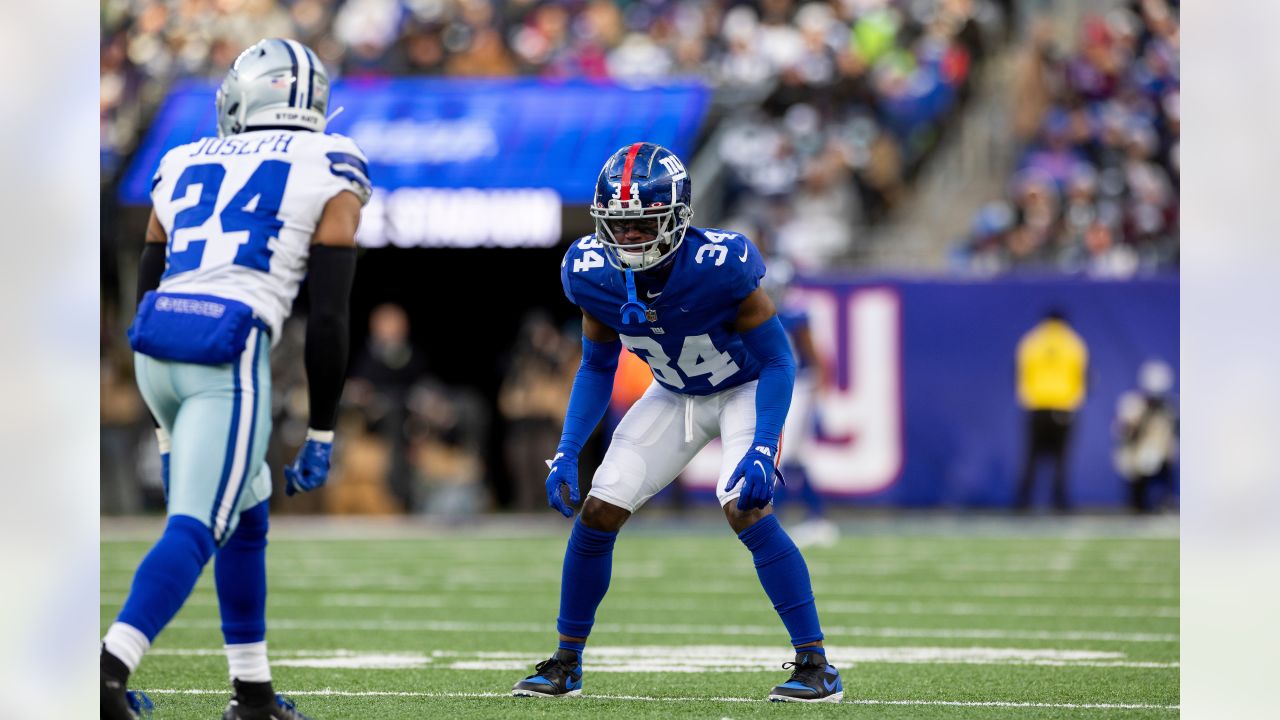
[241,214]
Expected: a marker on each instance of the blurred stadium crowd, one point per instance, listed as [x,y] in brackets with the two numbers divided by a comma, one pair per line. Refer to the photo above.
[1096,186]
[851,92]
[843,99]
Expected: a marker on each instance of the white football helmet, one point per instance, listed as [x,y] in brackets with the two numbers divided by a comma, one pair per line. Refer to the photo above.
[275,83]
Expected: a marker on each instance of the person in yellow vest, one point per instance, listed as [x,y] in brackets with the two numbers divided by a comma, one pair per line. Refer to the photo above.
[1053,365]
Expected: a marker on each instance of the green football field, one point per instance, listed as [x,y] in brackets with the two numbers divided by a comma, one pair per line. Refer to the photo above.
[926,618]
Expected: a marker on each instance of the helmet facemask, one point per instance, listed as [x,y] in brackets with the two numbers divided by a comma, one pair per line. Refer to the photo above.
[666,223]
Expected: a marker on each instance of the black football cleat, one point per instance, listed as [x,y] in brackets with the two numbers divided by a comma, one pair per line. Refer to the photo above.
[556,677]
[277,707]
[813,679]
[117,703]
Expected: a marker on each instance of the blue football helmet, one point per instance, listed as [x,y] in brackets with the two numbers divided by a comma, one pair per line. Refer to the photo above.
[642,184]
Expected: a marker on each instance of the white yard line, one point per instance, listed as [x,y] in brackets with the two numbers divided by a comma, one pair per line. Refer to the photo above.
[676,628]
[689,659]
[901,572]
[327,692]
[206,598]
[525,585]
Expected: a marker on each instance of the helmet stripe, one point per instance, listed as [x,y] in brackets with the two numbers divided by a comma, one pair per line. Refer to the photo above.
[302,67]
[293,87]
[624,193]
[311,79]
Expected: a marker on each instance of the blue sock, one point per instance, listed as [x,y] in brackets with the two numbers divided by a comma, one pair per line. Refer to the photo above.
[813,649]
[240,573]
[785,578]
[573,646]
[167,574]
[588,563]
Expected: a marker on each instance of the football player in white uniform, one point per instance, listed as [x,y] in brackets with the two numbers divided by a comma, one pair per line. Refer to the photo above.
[237,221]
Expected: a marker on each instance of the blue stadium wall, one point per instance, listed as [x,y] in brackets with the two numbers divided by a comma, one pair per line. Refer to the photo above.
[924,410]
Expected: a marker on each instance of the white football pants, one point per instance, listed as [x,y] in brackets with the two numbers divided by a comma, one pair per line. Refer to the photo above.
[662,432]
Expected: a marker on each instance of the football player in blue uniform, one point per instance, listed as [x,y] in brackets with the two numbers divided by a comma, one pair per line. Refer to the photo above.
[688,301]
[237,221]
[812,374]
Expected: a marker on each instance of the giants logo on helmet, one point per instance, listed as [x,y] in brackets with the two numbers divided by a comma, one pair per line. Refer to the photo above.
[675,167]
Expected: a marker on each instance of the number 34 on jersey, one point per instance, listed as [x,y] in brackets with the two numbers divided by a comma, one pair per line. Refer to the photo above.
[692,346]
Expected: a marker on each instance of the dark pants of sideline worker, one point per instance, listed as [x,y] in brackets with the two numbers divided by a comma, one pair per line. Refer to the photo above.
[1048,436]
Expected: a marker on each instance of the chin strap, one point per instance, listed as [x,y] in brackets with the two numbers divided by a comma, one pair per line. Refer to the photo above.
[633,308]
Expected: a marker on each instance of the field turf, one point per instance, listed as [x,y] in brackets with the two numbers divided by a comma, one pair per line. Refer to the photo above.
[1040,618]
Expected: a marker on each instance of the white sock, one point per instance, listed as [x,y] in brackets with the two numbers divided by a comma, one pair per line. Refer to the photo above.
[127,643]
[248,662]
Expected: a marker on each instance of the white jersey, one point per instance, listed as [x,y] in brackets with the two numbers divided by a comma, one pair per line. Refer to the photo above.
[240,211]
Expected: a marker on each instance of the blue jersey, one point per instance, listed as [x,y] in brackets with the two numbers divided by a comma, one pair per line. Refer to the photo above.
[794,320]
[688,339]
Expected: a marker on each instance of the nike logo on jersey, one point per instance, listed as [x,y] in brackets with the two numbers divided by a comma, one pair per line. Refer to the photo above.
[652,295]
[744,254]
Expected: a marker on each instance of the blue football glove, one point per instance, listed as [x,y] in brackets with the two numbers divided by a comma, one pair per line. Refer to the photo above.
[564,471]
[311,469]
[162,439]
[756,471]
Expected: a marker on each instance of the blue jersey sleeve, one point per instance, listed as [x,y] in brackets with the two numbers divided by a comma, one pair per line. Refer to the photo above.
[748,264]
[565,274]
[583,263]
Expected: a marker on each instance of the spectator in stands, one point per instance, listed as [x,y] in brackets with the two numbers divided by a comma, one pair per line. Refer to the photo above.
[1146,435]
[1052,369]
[1101,256]
[381,376]
[532,401]
[987,246]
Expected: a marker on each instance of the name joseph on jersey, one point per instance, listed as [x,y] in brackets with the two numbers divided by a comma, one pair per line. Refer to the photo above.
[689,340]
[277,143]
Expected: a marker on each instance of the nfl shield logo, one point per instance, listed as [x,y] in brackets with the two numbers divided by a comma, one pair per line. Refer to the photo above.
[651,314]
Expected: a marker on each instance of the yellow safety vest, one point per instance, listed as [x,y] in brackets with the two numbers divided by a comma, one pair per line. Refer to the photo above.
[1052,363]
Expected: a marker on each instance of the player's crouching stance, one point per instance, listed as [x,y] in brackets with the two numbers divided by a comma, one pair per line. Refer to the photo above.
[237,221]
[687,300]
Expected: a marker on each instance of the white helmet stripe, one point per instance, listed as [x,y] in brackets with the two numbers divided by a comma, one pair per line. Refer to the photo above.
[304,74]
